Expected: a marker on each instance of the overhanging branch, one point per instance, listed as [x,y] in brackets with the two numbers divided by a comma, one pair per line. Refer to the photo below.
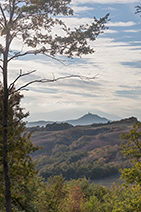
[19,54]
[24,87]
[35,52]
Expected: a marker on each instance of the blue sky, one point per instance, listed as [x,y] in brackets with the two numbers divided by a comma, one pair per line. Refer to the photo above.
[116,63]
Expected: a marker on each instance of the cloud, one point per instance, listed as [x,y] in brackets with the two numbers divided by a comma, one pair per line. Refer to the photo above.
[109,8]
[110,31]
[130,93]
[121,24]
[132,30]
[75,21]
[104,92]
[139,42]
[109,60]
[104,1]
[81,9]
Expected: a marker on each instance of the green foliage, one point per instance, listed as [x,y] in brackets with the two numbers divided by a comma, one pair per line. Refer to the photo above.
[52,195]
[34,21]
[79,195]
[57,126]
[23,173]
[52,127]
[95,164]
[131,144]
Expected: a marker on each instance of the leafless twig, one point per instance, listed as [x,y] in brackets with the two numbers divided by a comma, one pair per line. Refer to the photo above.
[1,67]
[23,87]
[54,58]
[11,86]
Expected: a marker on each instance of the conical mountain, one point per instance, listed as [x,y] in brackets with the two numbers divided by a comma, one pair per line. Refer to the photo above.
[87,119]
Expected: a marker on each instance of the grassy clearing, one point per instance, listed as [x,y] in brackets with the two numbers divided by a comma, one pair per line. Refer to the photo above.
[108,181]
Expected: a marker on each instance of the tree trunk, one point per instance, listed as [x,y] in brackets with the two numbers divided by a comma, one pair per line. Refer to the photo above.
[5,156]
[5,131]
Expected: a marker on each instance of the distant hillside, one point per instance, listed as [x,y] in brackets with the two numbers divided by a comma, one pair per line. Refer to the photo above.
[84,120]
[38,123]
[87,120]
[77,151]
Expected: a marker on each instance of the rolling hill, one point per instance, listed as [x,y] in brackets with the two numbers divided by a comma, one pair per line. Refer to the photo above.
[92,151]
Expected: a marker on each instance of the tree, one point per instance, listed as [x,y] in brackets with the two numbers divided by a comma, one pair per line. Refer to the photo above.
[33,22]
[131,144]
[22,168]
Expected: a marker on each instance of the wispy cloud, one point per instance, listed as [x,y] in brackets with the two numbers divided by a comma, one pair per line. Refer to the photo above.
[132,30]
[110,31]
[121,24]
[81,9]
[109,9]
[104,1]
[109,61]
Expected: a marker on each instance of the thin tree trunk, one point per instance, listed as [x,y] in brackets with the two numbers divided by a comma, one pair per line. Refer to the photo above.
[5,159]
[5,132]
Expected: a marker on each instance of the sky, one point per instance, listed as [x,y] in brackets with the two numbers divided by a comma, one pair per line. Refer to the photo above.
[115,93]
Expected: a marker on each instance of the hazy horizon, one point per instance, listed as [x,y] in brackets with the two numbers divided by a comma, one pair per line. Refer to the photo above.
[113,118]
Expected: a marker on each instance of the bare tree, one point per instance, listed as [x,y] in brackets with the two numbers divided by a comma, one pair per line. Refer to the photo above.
[33,21]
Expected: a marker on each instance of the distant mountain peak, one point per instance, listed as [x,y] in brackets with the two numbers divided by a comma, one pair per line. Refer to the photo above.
[88,119]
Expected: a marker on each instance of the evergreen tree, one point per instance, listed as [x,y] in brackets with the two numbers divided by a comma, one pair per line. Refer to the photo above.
[22,168]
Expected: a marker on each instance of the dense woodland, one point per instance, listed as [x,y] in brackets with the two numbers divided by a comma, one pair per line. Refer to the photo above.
[58,180]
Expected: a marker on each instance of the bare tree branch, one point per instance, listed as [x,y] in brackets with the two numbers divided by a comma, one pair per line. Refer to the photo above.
[1,67]
[54,58]
[12,11]
[39,51]
[5,21]
[15,122]
[19,54]
[11,86]
[1,24]
[53,80]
